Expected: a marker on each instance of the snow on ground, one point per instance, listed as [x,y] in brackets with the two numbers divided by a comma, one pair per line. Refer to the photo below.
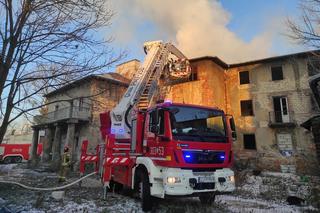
[238,204]
[257,194]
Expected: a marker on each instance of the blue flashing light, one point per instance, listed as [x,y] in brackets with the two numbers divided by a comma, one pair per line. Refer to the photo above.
[188,156]
[121,130]
[113,131]
[222,157]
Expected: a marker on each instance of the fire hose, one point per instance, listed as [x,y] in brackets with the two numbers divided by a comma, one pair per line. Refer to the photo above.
[48,189]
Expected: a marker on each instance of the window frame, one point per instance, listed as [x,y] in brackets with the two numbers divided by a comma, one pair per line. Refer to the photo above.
[242,110]
[274,73]
[254,142]
[247,79]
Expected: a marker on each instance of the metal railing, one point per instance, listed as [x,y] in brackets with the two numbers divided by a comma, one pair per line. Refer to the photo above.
[80,113]
[281,117]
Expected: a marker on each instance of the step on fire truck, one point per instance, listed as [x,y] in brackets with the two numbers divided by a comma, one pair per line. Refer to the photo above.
[165,149]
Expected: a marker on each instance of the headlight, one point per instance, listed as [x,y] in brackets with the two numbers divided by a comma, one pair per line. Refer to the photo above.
[172,180]
[231,178]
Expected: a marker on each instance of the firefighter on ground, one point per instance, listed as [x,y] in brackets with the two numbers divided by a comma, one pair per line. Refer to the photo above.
[65,164]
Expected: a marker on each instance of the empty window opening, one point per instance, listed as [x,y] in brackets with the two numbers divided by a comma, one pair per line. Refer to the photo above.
[249,141]
[244,77]
[277,73]
[194,73]
[246,108]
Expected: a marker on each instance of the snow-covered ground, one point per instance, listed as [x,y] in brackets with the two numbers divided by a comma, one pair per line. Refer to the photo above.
[264,193]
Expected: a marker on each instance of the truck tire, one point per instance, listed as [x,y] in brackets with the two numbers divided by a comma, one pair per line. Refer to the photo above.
[7,160]
[144,191]
[17,159]
[207,198]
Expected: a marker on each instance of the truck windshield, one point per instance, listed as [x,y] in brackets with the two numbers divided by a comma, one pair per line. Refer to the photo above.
[197,124]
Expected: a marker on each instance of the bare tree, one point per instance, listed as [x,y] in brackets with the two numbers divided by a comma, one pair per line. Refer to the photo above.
[45,44]
[306,30]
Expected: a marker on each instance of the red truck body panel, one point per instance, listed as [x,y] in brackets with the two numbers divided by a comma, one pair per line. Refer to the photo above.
[14,150]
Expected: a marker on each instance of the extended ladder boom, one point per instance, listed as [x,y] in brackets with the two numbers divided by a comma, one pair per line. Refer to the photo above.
[143,86]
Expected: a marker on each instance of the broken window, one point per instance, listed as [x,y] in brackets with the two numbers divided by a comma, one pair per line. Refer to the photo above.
[246,108]
[277,73]
[194,74]
[249,141]
[244,77]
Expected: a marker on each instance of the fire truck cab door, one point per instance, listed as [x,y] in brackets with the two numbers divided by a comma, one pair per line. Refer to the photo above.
[155,134]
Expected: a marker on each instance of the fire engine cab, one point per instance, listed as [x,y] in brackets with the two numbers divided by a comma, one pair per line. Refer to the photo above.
[164,149]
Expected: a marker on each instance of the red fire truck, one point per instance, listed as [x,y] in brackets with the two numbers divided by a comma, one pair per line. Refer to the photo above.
[16,153]
[166,149]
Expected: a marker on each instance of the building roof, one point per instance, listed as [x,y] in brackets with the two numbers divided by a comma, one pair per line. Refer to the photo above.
[224,65]
[128,62]
[215,59]
[276,58]
[111,77]
[116,78]
[311,121]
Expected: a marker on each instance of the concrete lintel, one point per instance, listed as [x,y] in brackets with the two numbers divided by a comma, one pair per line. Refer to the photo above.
[72,121]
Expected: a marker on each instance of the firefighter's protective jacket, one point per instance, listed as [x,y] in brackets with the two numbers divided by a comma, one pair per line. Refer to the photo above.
[66,159]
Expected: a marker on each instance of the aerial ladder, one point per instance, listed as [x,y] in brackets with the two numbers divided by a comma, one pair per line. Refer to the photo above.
[161,59]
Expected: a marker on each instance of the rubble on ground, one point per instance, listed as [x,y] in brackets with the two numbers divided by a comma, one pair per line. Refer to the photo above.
[263,192]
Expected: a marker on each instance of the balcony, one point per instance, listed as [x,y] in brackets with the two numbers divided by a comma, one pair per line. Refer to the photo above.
[281,119]
[79,113]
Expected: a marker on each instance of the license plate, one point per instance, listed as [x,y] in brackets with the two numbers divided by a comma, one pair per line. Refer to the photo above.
[206,179]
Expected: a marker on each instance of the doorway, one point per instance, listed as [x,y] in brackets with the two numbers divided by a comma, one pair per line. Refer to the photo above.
[281,113]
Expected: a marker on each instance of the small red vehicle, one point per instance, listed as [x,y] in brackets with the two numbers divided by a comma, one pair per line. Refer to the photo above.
[16,153]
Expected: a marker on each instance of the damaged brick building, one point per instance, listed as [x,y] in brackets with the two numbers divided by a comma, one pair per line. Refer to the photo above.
[73,115]
[269,99]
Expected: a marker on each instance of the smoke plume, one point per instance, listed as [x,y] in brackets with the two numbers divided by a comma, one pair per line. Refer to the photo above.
[197,27]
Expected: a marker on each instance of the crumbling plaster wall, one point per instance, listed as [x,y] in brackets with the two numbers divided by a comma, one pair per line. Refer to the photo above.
[128,69]
[207,90]
[72,93]
[262,90]
[105,96]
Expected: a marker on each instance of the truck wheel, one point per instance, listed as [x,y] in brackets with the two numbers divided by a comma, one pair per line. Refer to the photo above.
[207,198]
[7,160]
[17,159]
[144,191]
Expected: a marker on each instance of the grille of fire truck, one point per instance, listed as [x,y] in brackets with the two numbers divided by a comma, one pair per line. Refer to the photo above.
[204,157]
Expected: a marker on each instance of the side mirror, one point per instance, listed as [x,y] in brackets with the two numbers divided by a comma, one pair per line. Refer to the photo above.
[234,136]
[232,124]
[233,129]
